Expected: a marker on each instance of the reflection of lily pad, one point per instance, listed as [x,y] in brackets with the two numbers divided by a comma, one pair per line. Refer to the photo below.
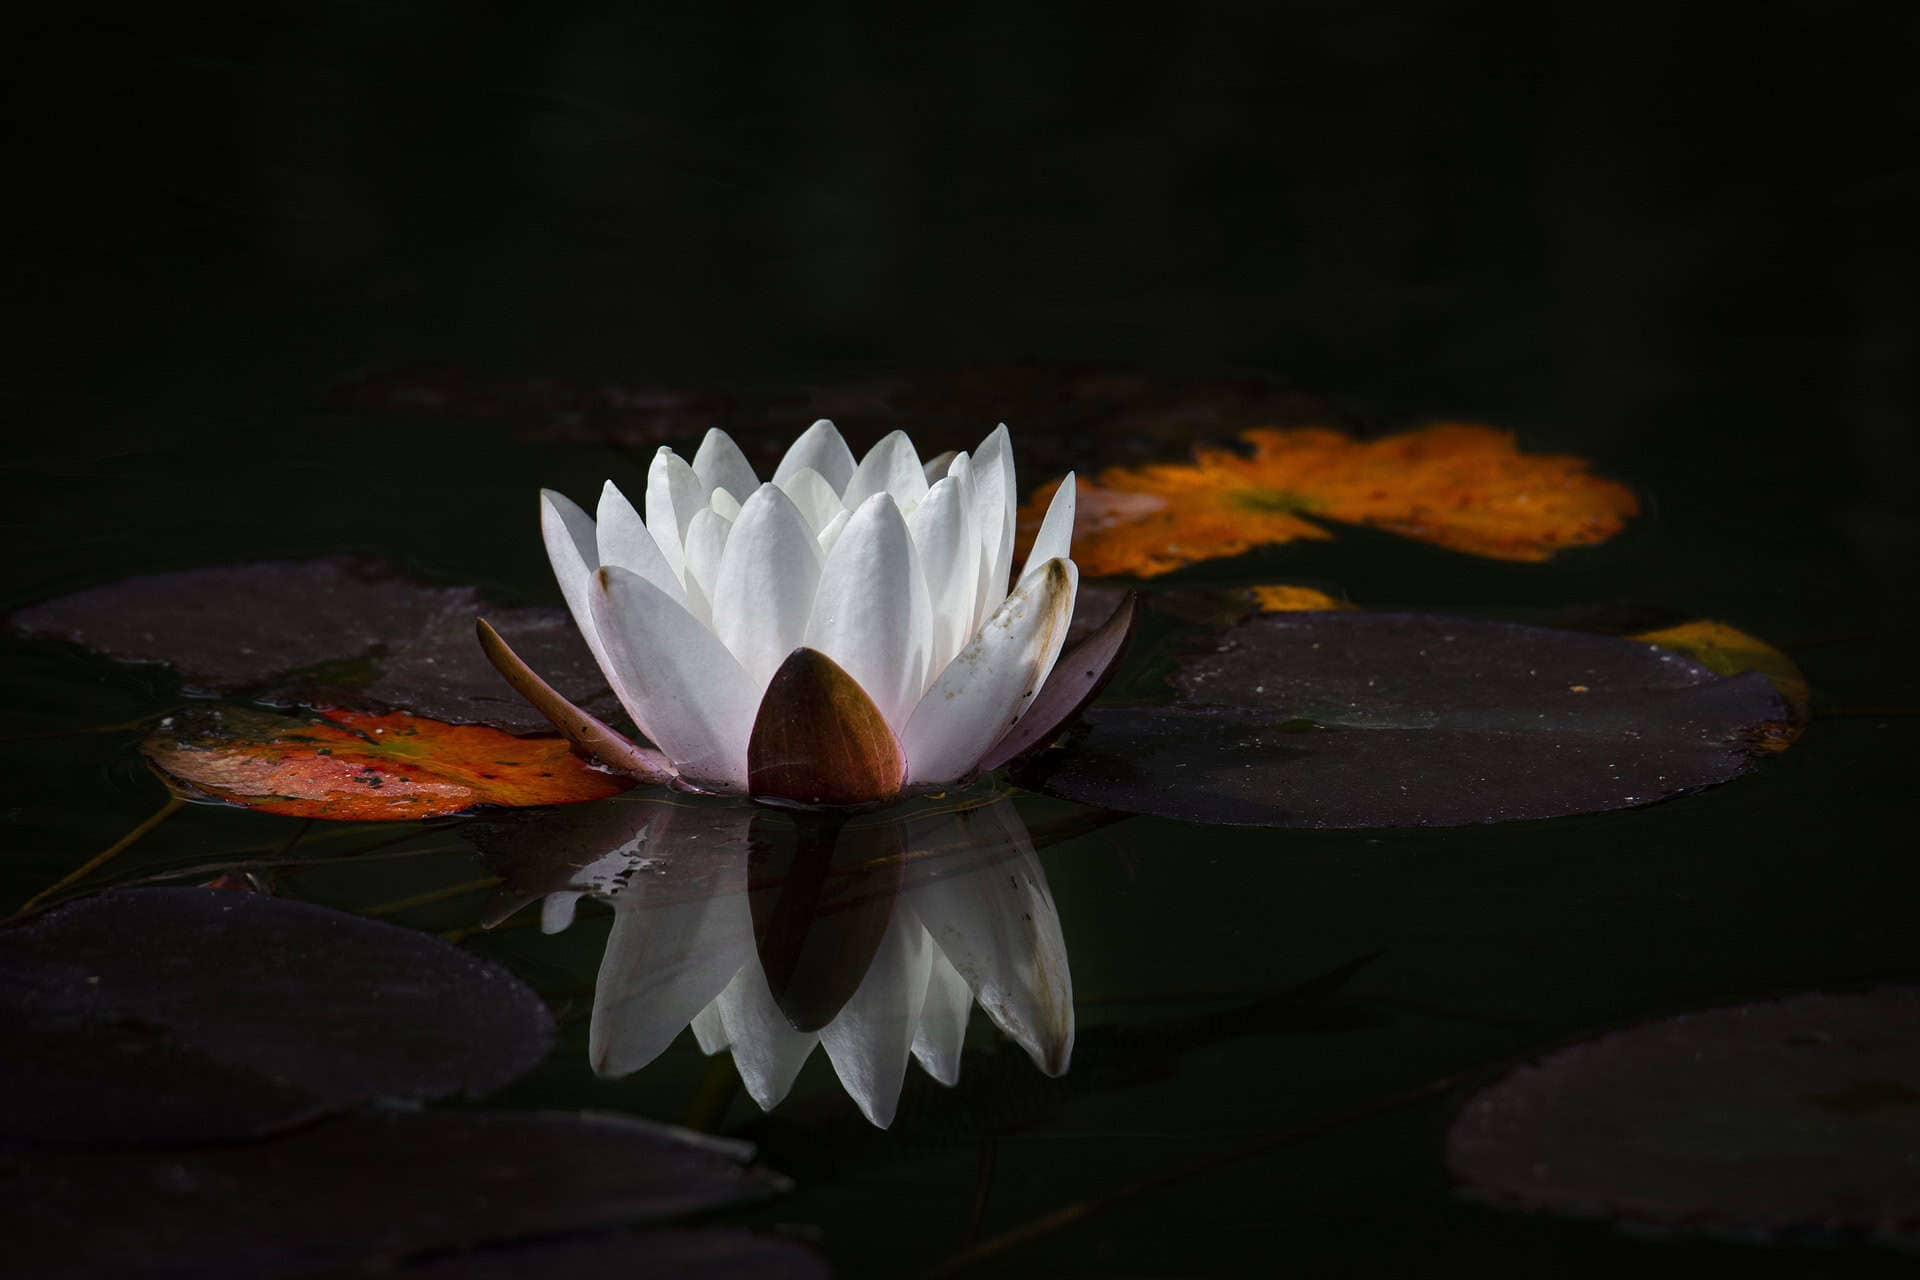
[173,1015]
[352,767]
[334,632]
[358,1192]
[1797,1113]
[1351,719]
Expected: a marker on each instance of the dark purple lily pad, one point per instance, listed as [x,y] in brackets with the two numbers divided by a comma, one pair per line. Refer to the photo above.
[710,1253]
[330,632]
[1351,719]
[1800,1114]
[185,1015]
[356,1191]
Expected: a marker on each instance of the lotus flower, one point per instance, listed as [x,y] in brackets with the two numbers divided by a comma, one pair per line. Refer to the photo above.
[772,934]
[832,636]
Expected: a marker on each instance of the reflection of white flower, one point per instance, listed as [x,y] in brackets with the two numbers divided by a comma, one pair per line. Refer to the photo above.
[942,907]
[896,570]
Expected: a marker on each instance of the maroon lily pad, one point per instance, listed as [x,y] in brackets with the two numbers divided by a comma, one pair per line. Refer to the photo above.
[183,1015]
[1351,719]
[1788,1115]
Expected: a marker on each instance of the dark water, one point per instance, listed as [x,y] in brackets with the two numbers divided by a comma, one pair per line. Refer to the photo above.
[1682,249]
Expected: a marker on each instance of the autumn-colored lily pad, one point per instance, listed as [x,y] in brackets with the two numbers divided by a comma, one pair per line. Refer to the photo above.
[178,1015]
[1800,1114]
[354,767]
[329,632]
[367,1191]
[1355,719]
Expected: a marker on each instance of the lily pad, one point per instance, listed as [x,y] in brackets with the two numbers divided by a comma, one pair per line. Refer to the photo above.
[353,767]
[330,632]
[361,1191]
[1354,719]
[623,1255]
[1790,1115]
[180,1015]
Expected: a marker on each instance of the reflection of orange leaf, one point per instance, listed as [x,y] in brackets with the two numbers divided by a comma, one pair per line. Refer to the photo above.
[1277,597]
[370,768]
[1456,485]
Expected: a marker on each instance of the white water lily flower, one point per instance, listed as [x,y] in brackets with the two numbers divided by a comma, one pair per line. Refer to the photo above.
[831,635]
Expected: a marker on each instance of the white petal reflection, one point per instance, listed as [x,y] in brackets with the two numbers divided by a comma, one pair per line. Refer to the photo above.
[771,931]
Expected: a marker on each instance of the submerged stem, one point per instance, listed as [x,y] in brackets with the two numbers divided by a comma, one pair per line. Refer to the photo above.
[173,805]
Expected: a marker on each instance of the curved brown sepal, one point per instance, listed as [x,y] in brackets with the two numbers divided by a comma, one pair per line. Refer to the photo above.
[1077,680]
[818,738]
[589,736]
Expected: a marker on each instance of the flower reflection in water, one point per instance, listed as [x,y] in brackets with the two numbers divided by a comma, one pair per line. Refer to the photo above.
[772,931]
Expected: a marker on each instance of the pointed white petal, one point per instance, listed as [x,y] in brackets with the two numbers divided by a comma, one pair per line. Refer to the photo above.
[708,1031]
[943,1021]
[989,684]
[1055,539]
[995,502]
[949,546]
[831,534]
[570,539]
[706,544]
[999,927]
[674,494]
[892,467]
[871,1038]
[767,1051]
[696,702]
[821,448]
[723,502]
[624,540]
[720,465]
[871,614]
[556,911]
[817,500]
[935,468]
[763,594]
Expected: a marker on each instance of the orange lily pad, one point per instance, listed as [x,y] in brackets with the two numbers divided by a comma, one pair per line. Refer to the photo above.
[356,767]
[1456,485]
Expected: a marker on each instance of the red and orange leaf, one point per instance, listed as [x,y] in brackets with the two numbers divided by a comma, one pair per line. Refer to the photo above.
[1456,485]
[355,767]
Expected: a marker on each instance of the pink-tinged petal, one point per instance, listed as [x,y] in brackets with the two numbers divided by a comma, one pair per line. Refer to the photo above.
[817,501]
[871,613]
[872,1039]
[763,594]
[1076,680]
[720,465]
[674,495]
[949,548]
[696,702]
[819,739]
[821,448]
[623,539]
[943,1021]
[588,735]
[890,467]
[995,501]
[1055,539]
[989,684]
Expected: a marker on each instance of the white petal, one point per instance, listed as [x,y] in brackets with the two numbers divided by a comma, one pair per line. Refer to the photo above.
[763,594]
[943,1021]
[949,547]
[709,1032]
[831,534]
[674,494]
[935,468]
[821,448]
[706,543]
[999,927]
[556,911]
[1055,539]
[723,502]
[891,467]
[767,1051]
[624,540]
[817,500]
[570,539]
[995,502]
[990,682]
[871,1038]
[720,465]
[871,613]
[696,702]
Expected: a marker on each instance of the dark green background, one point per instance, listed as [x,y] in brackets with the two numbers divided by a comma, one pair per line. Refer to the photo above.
[1679,243]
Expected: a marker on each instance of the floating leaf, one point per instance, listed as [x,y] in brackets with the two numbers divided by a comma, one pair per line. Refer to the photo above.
[353,767]
[1353,719]
[1460,486]
[332,632]
[623,1255]
[357,1192]
[177,1015]
[1730,651]
[1793,1114]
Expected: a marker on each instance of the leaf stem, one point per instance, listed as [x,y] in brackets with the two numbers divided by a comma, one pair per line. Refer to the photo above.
[173,805]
